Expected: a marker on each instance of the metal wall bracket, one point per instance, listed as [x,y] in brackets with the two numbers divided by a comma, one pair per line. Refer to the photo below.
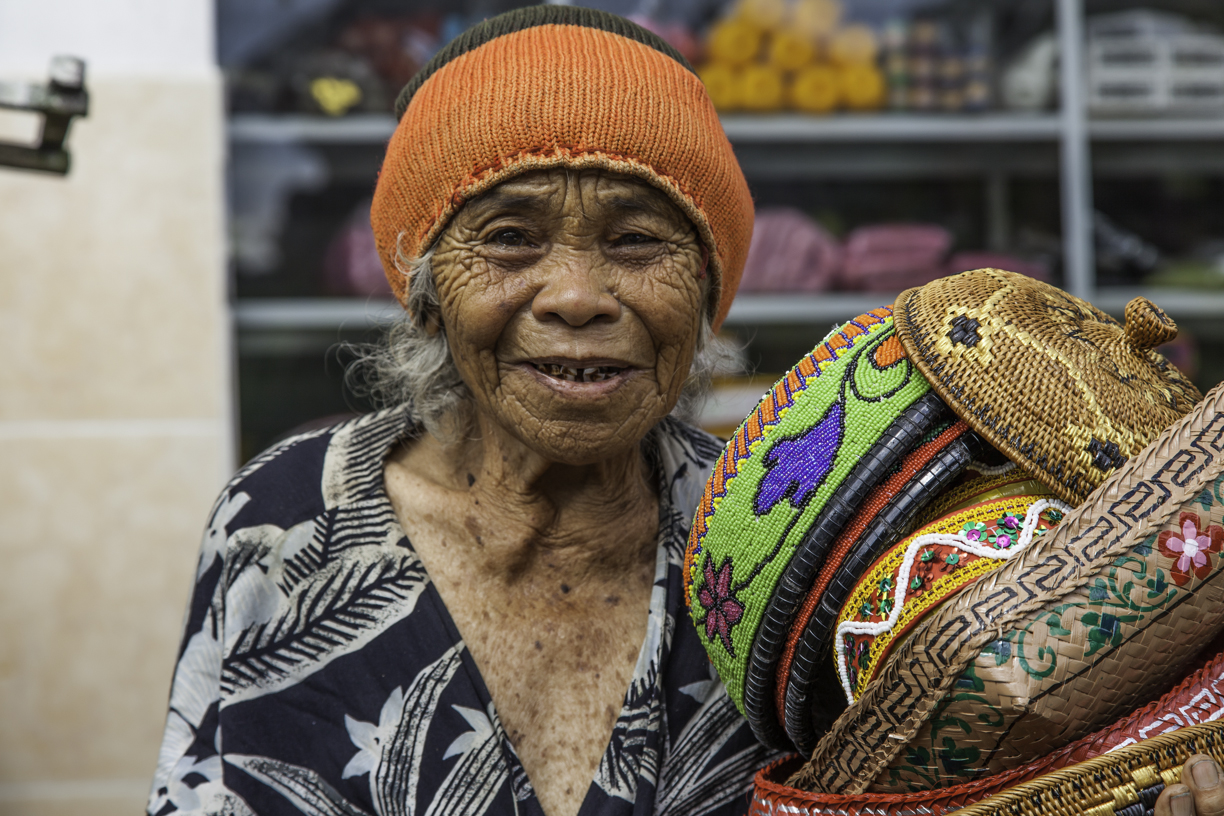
[59,101]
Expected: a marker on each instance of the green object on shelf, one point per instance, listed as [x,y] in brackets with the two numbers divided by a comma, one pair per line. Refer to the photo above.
[1189,274]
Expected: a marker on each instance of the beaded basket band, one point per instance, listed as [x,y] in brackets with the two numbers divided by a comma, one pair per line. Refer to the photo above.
[785,485]
[927,569]
[809,702]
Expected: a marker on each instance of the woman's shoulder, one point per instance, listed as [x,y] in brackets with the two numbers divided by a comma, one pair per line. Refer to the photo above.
[685,457]
[688,443]
[307,474]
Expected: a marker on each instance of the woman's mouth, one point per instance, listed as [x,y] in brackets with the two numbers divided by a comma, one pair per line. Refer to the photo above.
[573,374]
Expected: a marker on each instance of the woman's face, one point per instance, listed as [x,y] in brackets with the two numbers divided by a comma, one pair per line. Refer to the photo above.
[572,304]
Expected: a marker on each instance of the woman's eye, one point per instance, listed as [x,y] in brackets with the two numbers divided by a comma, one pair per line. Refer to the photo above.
[633,239]
[509,238]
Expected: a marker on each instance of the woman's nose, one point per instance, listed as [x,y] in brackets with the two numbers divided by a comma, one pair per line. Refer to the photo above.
[575,290]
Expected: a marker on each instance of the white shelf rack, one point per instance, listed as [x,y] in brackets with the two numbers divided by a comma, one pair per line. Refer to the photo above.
[749,309]
[796,128]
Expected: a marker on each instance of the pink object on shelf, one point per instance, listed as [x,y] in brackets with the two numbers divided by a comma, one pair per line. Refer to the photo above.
[790,253]
[965,261]
[352,265]
[887,257]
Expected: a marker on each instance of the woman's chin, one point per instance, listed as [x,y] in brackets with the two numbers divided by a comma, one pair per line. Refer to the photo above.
[577,423]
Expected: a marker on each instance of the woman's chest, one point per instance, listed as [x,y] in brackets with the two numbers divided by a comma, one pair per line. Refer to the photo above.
[557,670]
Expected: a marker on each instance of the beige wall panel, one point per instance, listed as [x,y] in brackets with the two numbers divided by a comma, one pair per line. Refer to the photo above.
[129,806]
[111,284]
[98,543]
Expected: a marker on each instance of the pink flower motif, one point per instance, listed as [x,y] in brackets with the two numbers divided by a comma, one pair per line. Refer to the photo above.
[722,608]
[1190,547]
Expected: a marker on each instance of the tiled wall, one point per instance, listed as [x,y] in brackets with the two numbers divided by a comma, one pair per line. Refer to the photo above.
[114,422]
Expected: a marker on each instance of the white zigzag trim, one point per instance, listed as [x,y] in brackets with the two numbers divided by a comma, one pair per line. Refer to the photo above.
[960,542]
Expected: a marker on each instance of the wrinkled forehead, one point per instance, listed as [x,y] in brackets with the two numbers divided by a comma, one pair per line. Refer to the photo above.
[592,192]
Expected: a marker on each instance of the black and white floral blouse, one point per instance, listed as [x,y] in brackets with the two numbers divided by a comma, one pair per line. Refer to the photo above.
[320,672]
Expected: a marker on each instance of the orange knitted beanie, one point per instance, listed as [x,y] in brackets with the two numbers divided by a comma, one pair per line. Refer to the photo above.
[558,86]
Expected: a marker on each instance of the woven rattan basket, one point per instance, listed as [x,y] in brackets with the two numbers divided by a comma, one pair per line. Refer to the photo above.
[1125,782]
[1198,698]
[1098,669]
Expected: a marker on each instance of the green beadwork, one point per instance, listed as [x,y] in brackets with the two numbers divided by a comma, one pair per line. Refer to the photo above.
[760,546]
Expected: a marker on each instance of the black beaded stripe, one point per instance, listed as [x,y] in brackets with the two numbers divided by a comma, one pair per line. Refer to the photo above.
[814,696]
[530,17]
[902,436]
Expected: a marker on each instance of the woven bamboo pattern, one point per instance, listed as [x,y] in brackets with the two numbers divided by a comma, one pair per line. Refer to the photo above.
[1079,662]
[1048,379]
[1117,527]
[559,86]
[1198,698]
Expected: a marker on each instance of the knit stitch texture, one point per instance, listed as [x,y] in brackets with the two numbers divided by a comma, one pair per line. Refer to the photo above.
[567,95]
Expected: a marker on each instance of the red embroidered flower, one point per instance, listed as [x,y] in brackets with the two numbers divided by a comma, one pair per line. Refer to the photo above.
[1190,547]
[722,609]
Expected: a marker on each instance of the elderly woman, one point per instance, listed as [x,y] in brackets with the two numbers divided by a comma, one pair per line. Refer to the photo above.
[471,603]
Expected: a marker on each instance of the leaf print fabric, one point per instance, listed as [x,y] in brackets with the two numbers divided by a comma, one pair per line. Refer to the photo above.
[321,674]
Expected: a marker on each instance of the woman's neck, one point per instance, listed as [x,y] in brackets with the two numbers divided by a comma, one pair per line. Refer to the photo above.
[522,512]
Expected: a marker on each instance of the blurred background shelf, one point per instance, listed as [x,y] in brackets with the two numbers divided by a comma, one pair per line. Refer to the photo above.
[1107,203]
[793,127]
[750,309]
[746,129]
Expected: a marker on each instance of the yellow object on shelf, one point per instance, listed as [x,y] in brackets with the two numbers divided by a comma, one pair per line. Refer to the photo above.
[734,42]
[335,96]
[761,89]
[722,84]
[854,45]
[767,14]
[815,19]
[862,87]
[815,89]
[789,51]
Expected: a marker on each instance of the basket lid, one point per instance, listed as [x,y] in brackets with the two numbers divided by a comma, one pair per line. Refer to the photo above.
[1054,383]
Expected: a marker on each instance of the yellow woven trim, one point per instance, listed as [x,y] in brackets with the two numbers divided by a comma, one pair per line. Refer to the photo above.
[1090,787]
[959,497]
[889,566]
[939,592]
[890,562]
